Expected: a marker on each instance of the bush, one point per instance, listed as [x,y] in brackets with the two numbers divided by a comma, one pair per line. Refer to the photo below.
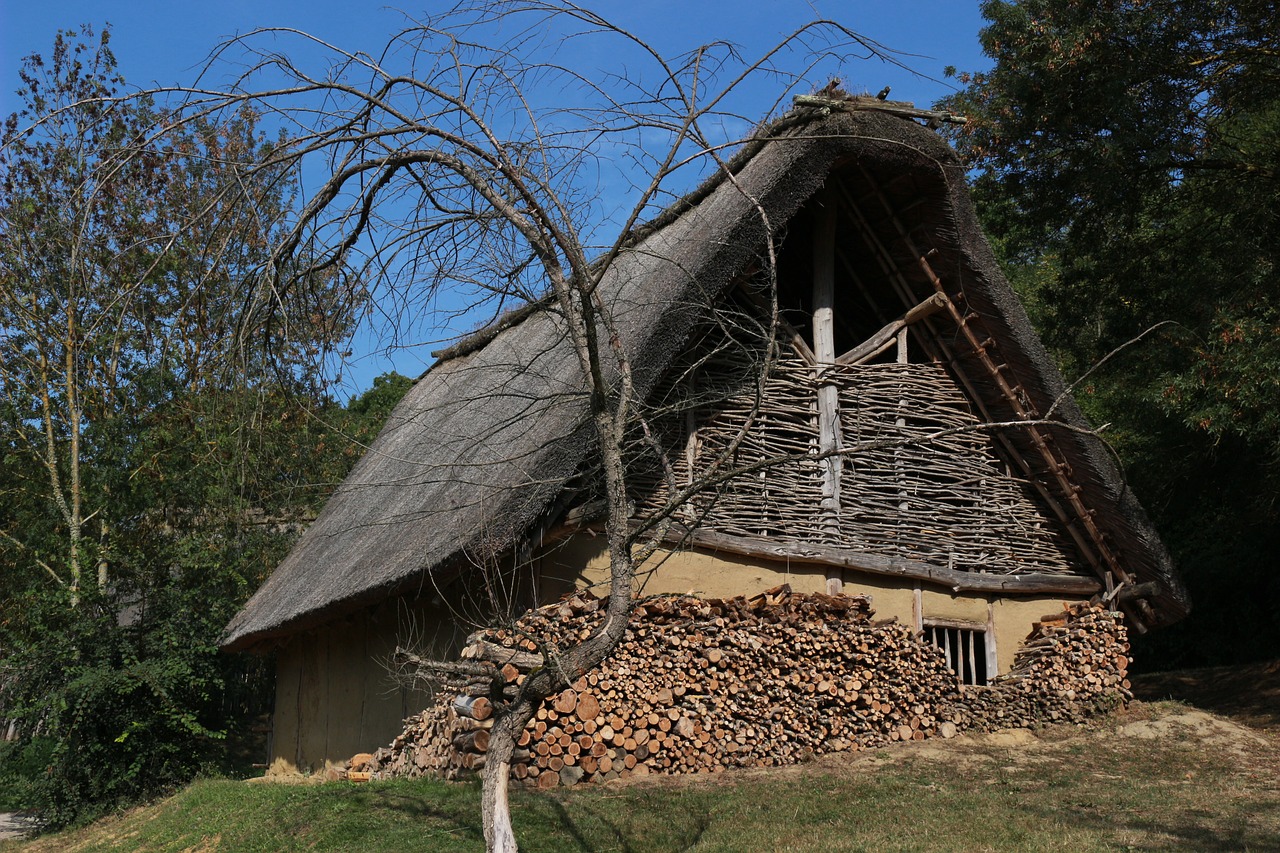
[23,764]
[130,696]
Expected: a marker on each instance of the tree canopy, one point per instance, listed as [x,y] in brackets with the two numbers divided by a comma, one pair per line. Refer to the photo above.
[162,437]
[1125,163]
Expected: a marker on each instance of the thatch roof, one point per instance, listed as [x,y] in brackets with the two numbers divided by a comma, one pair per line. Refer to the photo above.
[481,449]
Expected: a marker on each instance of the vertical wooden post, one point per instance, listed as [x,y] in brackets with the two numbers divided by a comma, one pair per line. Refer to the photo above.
[993,656]
[824,347]
[972,637]
[901,423]
[690,449]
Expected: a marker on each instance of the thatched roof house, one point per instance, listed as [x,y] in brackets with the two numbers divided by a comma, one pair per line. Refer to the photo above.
[490,453]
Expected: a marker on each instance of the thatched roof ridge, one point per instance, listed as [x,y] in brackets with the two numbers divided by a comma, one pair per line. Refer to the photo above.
[485,443]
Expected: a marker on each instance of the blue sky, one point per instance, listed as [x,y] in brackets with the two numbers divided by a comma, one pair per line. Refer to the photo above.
[166,43]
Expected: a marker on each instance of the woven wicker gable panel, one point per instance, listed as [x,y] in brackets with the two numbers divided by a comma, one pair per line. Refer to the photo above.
[938,492]
[779,499]
[906,490]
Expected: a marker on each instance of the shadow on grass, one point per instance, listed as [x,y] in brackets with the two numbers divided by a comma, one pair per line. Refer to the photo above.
[1212,835]
[627,826]
[587,821]
[1169,826]
[455,811]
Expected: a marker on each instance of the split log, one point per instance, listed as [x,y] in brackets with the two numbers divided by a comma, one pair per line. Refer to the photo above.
[475,707]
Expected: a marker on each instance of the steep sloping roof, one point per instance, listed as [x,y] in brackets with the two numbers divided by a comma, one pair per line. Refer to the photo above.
[484,444]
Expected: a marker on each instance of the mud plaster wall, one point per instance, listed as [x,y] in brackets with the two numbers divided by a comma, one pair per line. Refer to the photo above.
[334,693]
[583,561]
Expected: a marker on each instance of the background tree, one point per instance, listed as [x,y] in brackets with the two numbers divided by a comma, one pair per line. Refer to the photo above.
[1126,167]
[162,438]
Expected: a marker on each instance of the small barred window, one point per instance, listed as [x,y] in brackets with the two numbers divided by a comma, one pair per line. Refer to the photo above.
[965,649]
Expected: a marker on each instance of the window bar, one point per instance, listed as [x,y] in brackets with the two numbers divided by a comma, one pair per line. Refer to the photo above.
[973,670]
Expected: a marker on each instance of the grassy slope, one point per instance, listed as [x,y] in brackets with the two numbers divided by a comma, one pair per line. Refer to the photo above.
[1153,778]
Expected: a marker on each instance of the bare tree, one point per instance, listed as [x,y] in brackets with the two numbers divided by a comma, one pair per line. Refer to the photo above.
[464,193]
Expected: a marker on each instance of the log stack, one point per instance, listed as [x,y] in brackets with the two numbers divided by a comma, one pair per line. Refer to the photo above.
[703,685]
[1074,664]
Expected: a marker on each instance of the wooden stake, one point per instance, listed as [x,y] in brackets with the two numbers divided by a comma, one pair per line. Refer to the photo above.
[824,348]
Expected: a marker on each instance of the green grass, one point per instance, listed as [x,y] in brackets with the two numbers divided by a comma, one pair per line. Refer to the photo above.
[1070,789]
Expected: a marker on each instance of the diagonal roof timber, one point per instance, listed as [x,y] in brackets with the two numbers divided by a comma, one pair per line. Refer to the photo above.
[1089,541]
[885,337]
[935,340]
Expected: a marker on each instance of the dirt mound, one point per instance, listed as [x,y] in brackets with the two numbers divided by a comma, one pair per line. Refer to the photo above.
[1208,729]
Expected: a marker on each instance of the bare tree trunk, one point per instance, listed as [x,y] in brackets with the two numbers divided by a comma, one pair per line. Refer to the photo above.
[73,454]
[70,511]
[495,806]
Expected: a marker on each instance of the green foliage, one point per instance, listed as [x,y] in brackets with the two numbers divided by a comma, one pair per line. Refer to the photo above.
[162,441]
[129,683]
[129,706]
[22,765]
[373,407]
[1127,169]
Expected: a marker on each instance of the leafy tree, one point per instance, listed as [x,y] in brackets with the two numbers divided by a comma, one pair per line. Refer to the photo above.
[1125,162]
[161,437]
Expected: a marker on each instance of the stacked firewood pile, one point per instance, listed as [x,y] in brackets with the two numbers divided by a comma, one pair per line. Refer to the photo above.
[1073,665]
[704,685]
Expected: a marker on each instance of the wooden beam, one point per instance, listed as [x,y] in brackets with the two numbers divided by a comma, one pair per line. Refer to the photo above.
[1127,593]
[905,109]
[885,338]
[824,279]
[478,649]
[1040,440]
[824,348]
[1071,522]
[947,354]
[993,655]
[879,564]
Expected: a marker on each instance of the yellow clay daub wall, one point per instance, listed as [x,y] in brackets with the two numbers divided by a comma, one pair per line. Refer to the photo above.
[583,561]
